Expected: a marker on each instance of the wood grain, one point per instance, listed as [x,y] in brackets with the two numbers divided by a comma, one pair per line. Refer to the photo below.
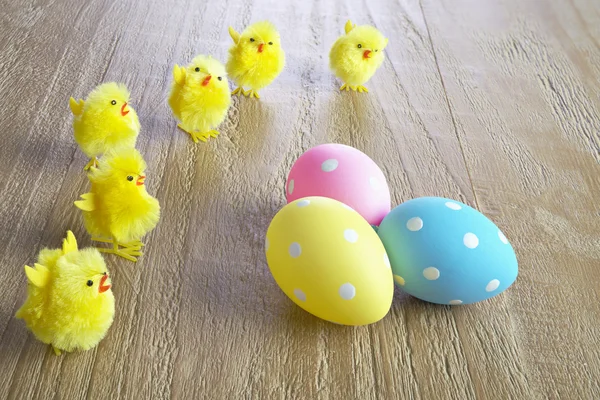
[494,103]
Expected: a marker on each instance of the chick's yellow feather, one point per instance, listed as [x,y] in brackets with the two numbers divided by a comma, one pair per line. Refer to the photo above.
[118,205]
[256,57]
[356,56]
[200,96]
[37,276]
[69,243]
[235,36]
[179,75]
[87,202]
[76,106]
[349,26]
[104,120]
[69,303]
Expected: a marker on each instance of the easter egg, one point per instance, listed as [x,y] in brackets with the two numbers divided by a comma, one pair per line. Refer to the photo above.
[329,261]
[443,251]
[342,173]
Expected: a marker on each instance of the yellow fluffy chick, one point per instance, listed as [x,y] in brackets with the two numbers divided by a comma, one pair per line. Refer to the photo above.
[69,304]
[256,58]
[118,209]
[104,121]
[355,56]
[200,97]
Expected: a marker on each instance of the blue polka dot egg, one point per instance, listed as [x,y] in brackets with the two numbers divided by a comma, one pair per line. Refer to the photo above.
[443,251]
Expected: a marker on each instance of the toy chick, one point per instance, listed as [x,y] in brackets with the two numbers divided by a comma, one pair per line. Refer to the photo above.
[70,304]
[104,121]
[355,56]
[256,58]
[118,209]
[200,97]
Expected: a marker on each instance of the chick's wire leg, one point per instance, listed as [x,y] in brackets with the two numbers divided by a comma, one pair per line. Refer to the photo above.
[189,132]
[237,90]
[183,128]
[92,163]
[130,251]
[344,87]
[208,134]
[127,253]
[362,89]
[56,351]
[252,93]
[135,243]
[199,136]
[122,253]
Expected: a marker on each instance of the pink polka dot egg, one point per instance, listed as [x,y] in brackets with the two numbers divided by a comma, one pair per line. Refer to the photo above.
[342,173]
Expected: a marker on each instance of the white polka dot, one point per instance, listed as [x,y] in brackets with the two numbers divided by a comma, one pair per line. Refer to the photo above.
[470,240]
[350,235]
[399,280]
[291,187]
[374,183]
[329,165]
[431,273]
[414,224]
[386,260]
[455,302]
[303,203]
[346,206]
[453,206]
[493,285]
[300,295]
[503,238]
[347,291]
[266,244]
[295,250]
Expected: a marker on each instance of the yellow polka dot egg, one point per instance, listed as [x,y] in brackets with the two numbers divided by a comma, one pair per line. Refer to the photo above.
[329,261]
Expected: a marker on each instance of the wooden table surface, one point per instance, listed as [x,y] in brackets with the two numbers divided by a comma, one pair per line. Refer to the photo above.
[494,103]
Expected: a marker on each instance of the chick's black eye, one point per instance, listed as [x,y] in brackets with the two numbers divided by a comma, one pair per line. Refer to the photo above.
[113,102]
[197,69]
[360,46]
[104,273]
[252,39]
[271,43]
[130,178]
[90,283]
[220,78]
[376,50]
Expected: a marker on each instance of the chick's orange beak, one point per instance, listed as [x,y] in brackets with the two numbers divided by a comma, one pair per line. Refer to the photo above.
[102,287]
[261,47]
[124,109]
[140,180]
[206,80]
[367,54]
